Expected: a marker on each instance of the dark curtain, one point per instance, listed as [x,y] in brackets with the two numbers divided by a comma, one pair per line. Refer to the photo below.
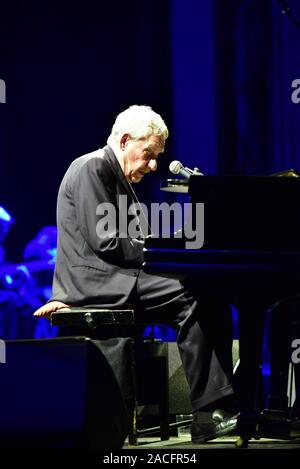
[70,67]
[258,58]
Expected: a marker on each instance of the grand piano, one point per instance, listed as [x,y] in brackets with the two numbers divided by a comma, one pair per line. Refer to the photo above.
[251,258]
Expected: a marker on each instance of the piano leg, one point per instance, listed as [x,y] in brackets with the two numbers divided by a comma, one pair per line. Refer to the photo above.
[280,342]
[251,328]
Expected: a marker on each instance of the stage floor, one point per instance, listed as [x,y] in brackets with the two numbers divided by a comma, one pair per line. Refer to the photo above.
[226,442]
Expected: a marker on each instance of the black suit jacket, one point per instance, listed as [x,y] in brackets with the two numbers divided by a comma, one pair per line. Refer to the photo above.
[91,267]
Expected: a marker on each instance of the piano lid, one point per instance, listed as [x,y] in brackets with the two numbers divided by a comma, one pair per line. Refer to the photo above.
[246,212]
[288,173]
[242,190]
[182,185]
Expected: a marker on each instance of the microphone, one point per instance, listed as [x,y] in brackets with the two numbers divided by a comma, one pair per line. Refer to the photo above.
[176,167]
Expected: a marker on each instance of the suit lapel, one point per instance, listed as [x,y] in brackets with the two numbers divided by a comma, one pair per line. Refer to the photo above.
[116,167]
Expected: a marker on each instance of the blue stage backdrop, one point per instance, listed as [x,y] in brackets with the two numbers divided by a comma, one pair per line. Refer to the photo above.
[70,68]
[223,74]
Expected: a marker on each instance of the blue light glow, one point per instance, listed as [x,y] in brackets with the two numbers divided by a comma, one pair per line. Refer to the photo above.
[8,279]
[4,215]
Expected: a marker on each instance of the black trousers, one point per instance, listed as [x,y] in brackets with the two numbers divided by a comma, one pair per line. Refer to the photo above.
[204,333]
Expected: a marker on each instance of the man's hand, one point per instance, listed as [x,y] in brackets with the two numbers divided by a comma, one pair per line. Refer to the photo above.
[46,310]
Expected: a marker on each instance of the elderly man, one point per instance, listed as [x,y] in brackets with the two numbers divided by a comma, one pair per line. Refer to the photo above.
[99,261]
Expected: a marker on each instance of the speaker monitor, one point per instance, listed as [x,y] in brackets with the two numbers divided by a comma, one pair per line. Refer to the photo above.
[60,393]
[179,402]
[178,389]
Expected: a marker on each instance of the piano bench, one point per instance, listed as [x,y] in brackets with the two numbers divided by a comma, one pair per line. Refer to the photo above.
[146,357]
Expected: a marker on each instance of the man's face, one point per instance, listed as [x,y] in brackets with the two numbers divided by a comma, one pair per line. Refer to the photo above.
[140,156]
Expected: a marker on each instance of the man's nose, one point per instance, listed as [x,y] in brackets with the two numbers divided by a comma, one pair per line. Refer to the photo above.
[152,165]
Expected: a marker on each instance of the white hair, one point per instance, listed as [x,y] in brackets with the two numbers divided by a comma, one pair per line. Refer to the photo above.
[139,122]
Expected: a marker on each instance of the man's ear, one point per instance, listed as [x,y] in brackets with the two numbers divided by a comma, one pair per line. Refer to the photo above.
[124,140]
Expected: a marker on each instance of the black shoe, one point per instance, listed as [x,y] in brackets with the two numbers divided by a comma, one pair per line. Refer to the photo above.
[208,426]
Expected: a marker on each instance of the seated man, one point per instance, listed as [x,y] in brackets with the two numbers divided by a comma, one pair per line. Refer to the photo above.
[100,255]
